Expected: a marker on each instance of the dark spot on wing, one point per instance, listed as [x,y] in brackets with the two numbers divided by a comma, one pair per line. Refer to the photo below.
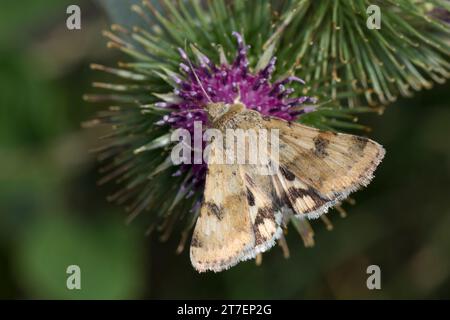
[287,174]
[214,209]
[283,200]
[196,243]
[296,193]
[258,237]
[360,142]
[263,213]
[250,198]
[320,146]
[359,145]
[249,180]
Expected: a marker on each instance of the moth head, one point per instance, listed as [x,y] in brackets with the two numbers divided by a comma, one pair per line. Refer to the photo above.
[218,109]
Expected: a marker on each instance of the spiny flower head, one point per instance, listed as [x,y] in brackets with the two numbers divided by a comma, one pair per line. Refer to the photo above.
[205,82]
[159,89]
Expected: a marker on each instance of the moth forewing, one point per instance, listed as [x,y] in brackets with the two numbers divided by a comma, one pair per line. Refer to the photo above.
[213,138]
[236,145]
[239,217]
[252,140]
[268,151]
[223,234]
[319,168]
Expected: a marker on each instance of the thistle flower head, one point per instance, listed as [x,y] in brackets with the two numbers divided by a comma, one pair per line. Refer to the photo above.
[162,88]
[165,88]
[204,82]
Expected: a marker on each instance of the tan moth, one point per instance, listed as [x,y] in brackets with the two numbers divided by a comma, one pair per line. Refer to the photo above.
[243,212]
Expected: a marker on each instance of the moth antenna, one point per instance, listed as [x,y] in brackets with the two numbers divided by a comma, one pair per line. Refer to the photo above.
[191,110]
[196,109]
[198,79]
[238,97]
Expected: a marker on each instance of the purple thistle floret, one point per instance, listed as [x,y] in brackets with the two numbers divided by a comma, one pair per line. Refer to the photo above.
[440,13]
[204,82]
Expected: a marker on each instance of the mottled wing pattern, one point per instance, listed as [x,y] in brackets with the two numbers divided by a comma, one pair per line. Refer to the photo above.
[238,218]
[265,209]
[223,234]
[320,168]
[241,214]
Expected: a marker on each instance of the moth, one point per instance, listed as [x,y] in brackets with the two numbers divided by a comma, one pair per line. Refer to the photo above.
[243,212]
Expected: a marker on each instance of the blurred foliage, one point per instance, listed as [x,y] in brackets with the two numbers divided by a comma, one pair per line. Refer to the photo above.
[119,11]
[47,190]
[110,259]
[52,215]
[25,117]
[22,18]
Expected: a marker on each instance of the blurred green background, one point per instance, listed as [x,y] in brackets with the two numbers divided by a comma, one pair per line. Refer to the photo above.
[53,215]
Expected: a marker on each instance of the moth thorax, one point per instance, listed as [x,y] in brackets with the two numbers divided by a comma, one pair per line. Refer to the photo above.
[219,109]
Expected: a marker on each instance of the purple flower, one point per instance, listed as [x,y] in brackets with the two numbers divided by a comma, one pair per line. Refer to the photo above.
[440,13]
[205,82]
